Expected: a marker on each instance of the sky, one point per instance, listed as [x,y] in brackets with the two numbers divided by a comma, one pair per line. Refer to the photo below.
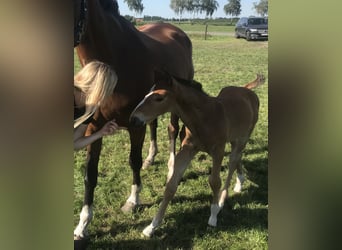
[161,8]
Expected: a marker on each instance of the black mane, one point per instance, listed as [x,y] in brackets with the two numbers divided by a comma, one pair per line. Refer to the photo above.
[191,83]
[111,6]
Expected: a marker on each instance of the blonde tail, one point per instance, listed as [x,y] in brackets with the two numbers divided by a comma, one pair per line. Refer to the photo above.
[257,82]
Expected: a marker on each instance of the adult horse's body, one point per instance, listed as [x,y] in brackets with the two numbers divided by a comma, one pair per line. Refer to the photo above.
[102,34]
[210,122]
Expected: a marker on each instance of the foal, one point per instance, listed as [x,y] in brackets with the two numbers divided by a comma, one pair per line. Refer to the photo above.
[210,122]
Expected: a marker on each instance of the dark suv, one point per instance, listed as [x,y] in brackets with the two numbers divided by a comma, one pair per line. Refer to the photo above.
[252,28]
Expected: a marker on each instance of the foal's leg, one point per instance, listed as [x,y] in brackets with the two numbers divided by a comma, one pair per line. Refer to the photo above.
[182,160]
[137,136]
[153,150]
[239,178]
[234,163]
[90,181]
[173,130]
[215,184]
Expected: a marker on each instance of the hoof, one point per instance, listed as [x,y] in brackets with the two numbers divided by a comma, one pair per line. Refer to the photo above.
[128,207]
[237,189]
[80,238]
[212,222]
[148,232]
[146,164]
[144,236]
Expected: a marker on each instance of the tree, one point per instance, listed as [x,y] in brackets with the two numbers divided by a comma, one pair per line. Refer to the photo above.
[261,8]
[233,8]
[178,6]
[209,6]
[189,6]
[197,7]
[135,5]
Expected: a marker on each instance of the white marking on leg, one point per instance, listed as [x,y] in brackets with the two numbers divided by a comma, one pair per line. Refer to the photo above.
[171,161]
[134,197]
[152,152]
[214,209]
[223,197]
[149,230]
[170,166]
[239,181]
[86,216]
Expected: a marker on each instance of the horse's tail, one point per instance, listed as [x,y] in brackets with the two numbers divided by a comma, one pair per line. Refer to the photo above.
[257,82]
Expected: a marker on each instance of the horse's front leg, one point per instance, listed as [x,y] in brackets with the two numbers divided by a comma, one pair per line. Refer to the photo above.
[90,182]
[173,130]
[153,150]
[137,136]
[175,174]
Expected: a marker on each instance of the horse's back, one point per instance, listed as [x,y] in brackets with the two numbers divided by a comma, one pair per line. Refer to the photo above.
[164,31]
[171,48]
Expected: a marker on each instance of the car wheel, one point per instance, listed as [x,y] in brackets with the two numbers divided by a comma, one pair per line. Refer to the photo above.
[248,36]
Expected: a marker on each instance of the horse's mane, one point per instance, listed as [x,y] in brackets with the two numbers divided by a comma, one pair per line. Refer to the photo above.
[190,83]
[111,6]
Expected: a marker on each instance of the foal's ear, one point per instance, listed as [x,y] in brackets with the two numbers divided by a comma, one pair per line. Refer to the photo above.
[162,76]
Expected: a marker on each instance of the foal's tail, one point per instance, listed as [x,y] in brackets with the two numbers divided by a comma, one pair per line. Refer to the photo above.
[257,82]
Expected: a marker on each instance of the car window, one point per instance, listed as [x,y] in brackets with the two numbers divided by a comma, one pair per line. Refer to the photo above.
[257,21]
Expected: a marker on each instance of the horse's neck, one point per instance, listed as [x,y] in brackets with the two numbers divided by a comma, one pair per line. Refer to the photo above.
[97,22]
[107,33]
[193,107]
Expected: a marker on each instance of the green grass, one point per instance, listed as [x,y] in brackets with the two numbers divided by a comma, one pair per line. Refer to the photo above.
[201,27]
[242,224]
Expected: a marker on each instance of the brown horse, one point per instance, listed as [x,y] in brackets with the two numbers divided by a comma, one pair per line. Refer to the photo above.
[101,33]
[210,122]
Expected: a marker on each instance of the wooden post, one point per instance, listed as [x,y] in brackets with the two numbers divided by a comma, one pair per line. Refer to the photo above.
[206,30]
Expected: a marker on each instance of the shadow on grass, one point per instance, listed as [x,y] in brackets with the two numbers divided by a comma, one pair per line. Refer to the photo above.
[179,230]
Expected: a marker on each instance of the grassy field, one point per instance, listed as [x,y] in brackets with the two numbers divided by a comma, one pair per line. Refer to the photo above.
[242,224]
[201,27]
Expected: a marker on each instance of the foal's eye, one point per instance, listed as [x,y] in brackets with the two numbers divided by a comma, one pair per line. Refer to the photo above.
[159,99]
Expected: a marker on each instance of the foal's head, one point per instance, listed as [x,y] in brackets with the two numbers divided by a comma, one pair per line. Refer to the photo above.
[163,97]
[159,101]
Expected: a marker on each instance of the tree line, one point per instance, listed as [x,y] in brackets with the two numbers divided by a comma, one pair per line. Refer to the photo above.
[195,7]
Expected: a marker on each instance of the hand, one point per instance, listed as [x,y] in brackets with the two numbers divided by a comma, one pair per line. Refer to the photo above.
[109,128]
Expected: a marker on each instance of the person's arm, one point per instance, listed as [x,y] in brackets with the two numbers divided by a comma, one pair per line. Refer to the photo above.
[80,140]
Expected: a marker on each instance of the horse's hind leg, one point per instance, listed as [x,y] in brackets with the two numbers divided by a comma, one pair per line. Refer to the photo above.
[153,150]
[234,163]
[90,181]
[137,136]
[173,130]
[239,178]
[215,184]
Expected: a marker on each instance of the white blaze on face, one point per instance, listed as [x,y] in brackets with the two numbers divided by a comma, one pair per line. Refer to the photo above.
[143,100]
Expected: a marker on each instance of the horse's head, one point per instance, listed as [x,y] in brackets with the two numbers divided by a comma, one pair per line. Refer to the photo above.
[80,12]
[157,102]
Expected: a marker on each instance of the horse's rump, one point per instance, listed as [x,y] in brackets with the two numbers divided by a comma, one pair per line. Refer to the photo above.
[241,106]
